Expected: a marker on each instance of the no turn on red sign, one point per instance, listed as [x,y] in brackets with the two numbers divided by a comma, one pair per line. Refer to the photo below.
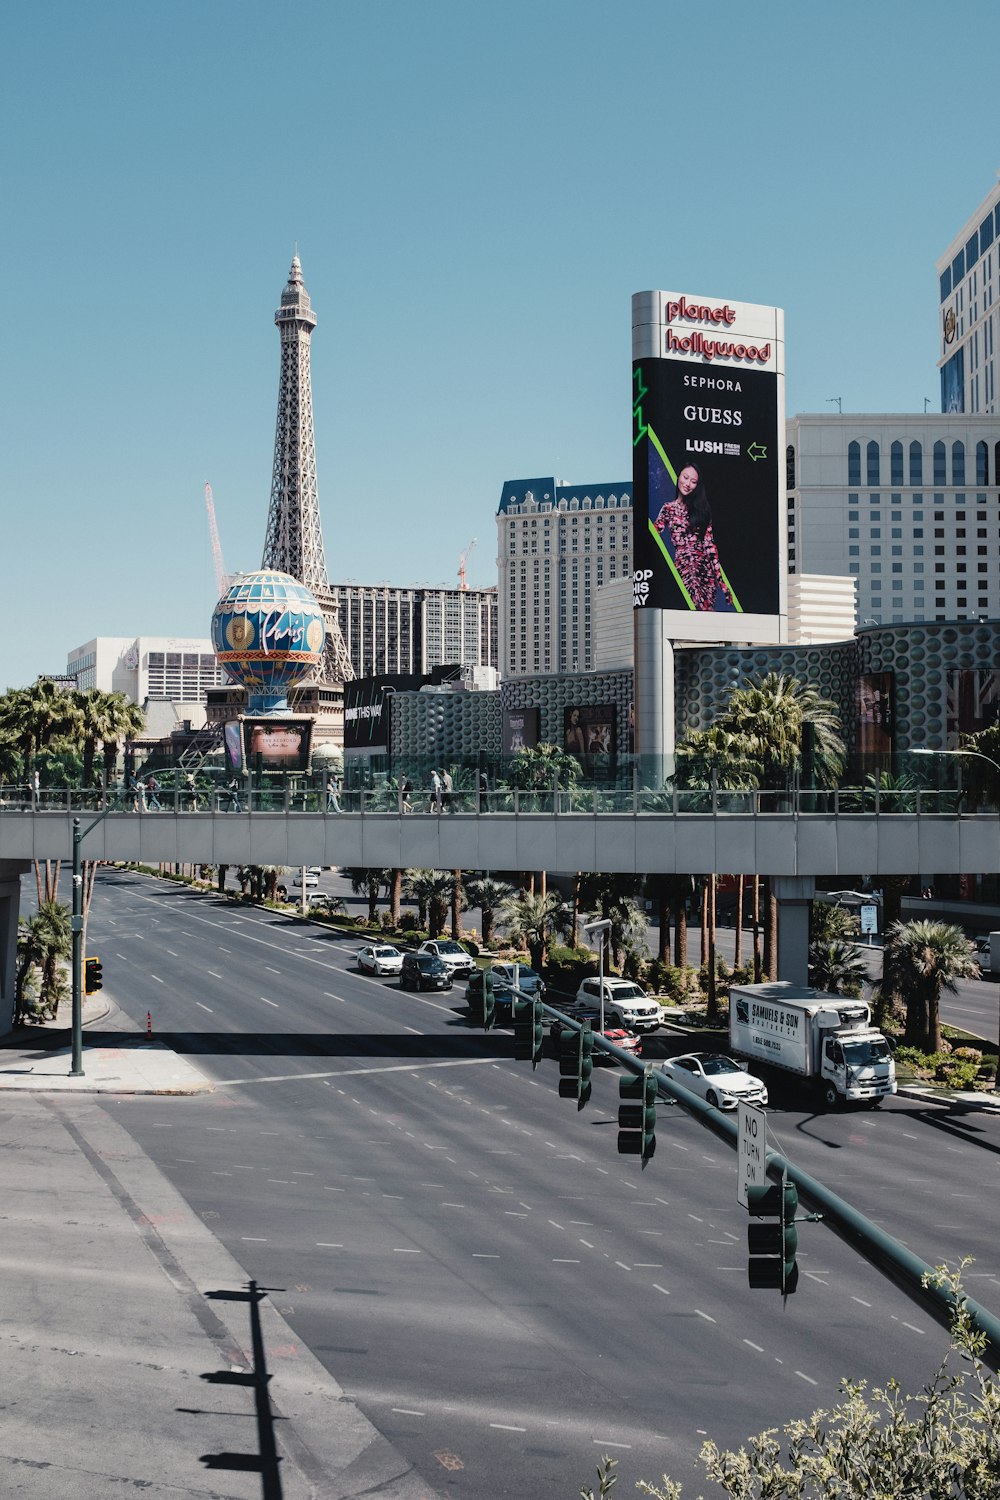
[751,1150]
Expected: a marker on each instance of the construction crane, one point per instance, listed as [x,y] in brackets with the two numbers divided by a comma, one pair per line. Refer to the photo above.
[221,576]
[462,563]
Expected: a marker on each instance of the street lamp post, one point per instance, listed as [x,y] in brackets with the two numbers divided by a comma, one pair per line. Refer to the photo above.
[603,927]
[76,928]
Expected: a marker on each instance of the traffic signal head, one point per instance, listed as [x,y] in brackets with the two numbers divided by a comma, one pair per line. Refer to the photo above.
[528,1035]
[772,1246]
[489,1000]
[576,1063]
[637,1118]
[93,979]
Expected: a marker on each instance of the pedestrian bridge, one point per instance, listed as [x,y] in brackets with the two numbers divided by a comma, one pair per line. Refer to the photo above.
[792,834]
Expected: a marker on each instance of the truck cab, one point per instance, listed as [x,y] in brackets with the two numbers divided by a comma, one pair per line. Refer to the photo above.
[857,1064]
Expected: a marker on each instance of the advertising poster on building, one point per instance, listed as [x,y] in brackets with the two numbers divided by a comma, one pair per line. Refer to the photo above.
[972,703]
[233,740]
[277,744]
[707,465]
[589,733]
[875,719]
[520,729]
[953,383]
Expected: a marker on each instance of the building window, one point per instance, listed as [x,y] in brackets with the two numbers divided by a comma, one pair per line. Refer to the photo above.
[916,463]
[854,463]
[940,472]
[872,461]
[958,463]
[896,464]
[790,466]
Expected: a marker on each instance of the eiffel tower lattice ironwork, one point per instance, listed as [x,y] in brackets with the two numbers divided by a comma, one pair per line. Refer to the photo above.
[294,540]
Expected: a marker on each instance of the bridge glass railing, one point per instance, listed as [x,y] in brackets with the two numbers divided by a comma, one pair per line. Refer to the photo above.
[941,784]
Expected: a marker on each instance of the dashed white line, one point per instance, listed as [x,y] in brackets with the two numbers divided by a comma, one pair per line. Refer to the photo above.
[704,1315]
[506,1427]
[397,1251]
[861,1300]
[606,1443]
[270,1002]
[255,1239]
[806,1377]
[483,1255]
[327,1245]
[752,1345]
[213,973]
[405,1411]
[205,1007]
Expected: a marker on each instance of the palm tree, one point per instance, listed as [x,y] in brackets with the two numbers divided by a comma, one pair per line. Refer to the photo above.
[489,895]
[927,958]
[767,718]
[540,770]
[835,967]
[98,724]
[368,882]
[419,884]
[125,722]
[44,941]
[531,919]
[33,716]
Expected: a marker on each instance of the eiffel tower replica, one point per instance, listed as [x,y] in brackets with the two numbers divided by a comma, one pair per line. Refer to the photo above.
[294,539]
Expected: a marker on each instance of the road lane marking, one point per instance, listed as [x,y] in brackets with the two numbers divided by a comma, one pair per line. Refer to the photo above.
[806,1377]
[396,1250]
[327,1245]
[213,973]
[274,1003]
[562,1260]
[861,1300]
[506,1427]
[483,1255]
[205,1007]
[752,1345]
[458,1062]
[606,1443]
[704,1315]
[255,1239]
[405,1411]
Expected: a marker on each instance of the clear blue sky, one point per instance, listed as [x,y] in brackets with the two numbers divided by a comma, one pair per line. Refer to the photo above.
[475,191]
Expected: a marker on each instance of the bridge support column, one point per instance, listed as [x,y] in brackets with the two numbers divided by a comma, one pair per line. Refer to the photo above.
[793,894]
[653,690]
[11,871]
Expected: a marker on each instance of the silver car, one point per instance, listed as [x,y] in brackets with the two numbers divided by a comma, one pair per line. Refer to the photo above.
[380,958]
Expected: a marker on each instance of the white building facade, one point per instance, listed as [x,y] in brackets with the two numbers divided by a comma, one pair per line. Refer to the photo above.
[169,676]
[557,545]
[906,505]
[969,310]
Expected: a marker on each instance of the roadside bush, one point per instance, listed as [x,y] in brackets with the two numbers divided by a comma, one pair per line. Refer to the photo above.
[681,984]
[409,922]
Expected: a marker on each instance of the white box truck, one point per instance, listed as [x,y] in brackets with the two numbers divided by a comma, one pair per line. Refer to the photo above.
[827,1040]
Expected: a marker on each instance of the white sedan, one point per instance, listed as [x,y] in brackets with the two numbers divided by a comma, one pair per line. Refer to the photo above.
[716,1079]
[380,958]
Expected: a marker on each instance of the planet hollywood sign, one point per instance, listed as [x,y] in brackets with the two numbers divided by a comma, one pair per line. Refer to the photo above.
[696,342]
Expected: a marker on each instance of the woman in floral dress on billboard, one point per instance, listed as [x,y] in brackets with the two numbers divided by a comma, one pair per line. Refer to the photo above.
[685,523]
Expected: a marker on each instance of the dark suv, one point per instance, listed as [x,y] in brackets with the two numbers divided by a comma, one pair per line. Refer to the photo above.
[422,971]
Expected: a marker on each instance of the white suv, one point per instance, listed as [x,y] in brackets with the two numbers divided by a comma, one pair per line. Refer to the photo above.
[624,1002]
[460,964]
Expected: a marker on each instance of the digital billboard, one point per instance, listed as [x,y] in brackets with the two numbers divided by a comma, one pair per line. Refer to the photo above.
[233,740]
[277,744]
[366,722]
[875,719]
[972,703]
[520,729]
[708,423]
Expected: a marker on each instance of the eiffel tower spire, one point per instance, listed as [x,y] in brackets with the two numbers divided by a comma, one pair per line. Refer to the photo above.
[294,539]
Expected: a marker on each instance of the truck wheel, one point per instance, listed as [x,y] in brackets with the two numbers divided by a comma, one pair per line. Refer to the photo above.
[830,1096]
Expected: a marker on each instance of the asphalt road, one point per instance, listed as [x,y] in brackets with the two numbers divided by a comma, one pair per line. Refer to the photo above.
[503,1295]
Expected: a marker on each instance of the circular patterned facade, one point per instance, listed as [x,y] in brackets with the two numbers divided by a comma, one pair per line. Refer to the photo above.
[268,634]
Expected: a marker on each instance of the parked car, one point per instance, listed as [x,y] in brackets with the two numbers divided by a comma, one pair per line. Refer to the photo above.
[380,958]
[505,977]
[424,971]
[717,1079]
[460,963]
[617,1035]
[625,1003]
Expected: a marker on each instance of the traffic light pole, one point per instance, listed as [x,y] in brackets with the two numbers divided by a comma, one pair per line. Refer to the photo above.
[76,924]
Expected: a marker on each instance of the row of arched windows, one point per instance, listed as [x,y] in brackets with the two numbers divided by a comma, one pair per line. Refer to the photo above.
[939,458]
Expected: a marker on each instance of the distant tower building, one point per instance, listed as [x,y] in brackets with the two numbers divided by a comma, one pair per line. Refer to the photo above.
[294,540]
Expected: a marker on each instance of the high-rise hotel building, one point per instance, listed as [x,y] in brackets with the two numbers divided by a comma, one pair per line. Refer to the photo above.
[557,545]
[968,311]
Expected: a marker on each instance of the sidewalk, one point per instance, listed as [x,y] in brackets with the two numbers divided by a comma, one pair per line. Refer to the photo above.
[135,1355]
[39,1058]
